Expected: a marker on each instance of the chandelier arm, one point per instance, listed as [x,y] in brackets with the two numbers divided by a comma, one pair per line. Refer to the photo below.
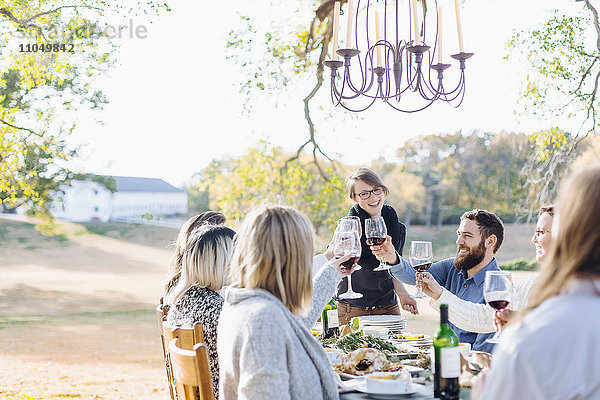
[363,74]
[407,65]
[346,80]
[411,111]
[359,109]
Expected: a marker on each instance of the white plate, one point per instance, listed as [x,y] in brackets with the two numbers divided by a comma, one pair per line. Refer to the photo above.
[381,319]
[361,386]
[345,376]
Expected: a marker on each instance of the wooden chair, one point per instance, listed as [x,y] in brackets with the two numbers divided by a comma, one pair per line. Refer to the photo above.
[188,338]
[191,371]
[161,315]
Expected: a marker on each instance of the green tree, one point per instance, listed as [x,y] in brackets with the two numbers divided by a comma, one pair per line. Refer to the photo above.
[52,53]
[266,175]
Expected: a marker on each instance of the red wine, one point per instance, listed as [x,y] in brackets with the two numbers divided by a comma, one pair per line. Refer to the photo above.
[375,241]
[349,263]
[422,267]
[498,304]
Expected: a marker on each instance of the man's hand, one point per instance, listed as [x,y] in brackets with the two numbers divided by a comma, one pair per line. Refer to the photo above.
[430,286]
[386,252]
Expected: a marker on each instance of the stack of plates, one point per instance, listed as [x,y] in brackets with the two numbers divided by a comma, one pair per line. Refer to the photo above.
[391,323]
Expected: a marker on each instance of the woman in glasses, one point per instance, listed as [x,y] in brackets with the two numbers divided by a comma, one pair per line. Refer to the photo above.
[368,193]
[550,351]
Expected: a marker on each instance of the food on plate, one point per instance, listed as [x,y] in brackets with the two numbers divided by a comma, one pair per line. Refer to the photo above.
[364,361]
[406,336]
[357,340]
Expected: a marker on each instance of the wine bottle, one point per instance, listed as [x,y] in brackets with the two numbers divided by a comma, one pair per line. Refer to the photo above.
[446,359]
[330,320]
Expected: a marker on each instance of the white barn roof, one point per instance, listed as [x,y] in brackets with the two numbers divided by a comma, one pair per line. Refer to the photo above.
[132,184]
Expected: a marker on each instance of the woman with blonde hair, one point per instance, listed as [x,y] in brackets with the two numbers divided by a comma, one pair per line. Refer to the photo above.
[551,352]
[266,350]
[207,217]
[195,298]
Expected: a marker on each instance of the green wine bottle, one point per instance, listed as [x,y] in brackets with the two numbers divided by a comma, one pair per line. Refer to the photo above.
[330,320]
[446,359]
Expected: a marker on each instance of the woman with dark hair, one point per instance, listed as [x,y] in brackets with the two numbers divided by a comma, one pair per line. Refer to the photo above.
[551,350]
[379,288]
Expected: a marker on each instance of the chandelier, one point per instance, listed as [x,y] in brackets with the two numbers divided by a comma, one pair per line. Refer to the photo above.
[390,67]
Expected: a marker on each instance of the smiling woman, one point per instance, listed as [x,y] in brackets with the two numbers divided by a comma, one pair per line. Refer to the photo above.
[368,192]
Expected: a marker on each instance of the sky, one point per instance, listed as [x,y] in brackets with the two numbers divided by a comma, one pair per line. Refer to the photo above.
[174,105]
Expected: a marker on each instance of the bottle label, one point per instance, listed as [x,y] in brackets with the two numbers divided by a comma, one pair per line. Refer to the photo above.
[450,360]
[332,319]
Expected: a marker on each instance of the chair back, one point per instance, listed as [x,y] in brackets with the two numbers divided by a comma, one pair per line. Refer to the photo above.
[161,315]
[191,371]
[188,338]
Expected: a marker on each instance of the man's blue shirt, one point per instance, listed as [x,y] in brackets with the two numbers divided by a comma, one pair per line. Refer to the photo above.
[455,281]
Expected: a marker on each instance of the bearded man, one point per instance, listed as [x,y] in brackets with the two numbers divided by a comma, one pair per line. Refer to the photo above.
[479,237]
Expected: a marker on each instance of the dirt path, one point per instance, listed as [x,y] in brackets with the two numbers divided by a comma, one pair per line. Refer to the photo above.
[77,319]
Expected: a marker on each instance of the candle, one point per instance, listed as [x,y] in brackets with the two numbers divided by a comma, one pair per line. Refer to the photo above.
[439,35]
[336,27]
[415,22]
[349,30]
[378,38]
[458,28]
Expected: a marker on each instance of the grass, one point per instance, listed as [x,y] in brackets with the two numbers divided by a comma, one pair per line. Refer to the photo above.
[94,317]
[150,235]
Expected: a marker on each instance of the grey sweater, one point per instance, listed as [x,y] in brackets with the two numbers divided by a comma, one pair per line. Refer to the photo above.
[265,352]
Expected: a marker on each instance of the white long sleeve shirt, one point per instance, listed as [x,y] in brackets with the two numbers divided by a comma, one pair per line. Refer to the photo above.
[554,353]
[479,318]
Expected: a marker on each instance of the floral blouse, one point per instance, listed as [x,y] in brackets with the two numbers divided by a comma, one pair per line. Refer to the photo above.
[201,305]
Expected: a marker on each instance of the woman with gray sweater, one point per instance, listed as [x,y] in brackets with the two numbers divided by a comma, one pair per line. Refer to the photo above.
[266,350]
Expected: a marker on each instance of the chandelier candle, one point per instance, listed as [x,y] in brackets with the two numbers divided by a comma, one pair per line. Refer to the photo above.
[439,32]
[415,22]
[377,38]
[458,28]
[336,28]
[349,27]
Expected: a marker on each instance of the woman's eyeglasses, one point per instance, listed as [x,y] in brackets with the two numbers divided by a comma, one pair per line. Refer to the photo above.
[539,232]
[367,193]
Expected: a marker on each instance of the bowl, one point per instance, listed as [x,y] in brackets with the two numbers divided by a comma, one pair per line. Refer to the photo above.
[388,382]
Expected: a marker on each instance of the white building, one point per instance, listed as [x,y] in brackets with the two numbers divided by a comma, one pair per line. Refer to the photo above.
[90,201]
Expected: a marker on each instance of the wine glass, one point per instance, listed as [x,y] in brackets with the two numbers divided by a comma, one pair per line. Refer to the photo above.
[497,291]
[347,244]
[376,232]
[421,257]
[349,223]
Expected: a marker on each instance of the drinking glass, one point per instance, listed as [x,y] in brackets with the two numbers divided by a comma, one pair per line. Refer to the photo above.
[497,291]
[421,257]
[349,223]
[376,232]
[348,244]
